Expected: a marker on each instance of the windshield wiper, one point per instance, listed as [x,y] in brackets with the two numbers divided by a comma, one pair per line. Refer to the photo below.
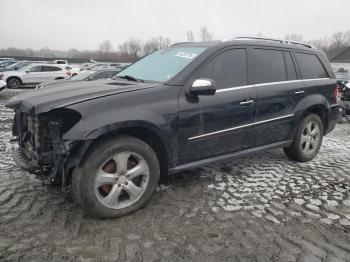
[131,78]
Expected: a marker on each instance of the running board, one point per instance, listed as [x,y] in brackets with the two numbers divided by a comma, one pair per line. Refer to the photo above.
[229,156]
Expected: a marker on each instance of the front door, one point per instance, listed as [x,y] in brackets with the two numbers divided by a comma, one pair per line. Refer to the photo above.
[33,75]
[218,124]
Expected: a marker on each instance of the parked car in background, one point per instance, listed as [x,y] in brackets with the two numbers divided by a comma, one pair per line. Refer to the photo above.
[34,74]
[74,69]
[102,65]
[86,66]
[16,66]
[6,63]
[84,76]
[109,142]
[60,62]
[5,58]
[2,85]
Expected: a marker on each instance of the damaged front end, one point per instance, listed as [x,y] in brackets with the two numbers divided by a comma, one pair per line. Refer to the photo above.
[41,149]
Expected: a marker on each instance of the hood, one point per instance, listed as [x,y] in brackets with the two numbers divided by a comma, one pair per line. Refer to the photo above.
[53,83]
[12,73]
[73,92]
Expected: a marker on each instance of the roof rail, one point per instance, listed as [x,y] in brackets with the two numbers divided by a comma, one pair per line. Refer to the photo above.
[267,39]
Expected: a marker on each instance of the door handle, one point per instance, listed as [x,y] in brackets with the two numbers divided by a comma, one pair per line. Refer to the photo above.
[299,92]
[246,102]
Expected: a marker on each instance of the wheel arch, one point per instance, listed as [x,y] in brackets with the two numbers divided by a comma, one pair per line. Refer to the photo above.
[318,109]
[144,131]
[17,77]
[317,104]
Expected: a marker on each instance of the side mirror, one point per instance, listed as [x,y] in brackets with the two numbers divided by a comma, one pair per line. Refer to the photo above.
[205,87]
[27,71]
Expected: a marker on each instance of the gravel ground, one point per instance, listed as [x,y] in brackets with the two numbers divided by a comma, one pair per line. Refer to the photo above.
[258,208]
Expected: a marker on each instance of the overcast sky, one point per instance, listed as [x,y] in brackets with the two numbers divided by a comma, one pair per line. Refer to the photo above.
[83,24]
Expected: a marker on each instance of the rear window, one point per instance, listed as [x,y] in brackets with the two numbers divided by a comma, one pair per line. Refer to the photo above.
[269,66]
[53,68]
[310,66]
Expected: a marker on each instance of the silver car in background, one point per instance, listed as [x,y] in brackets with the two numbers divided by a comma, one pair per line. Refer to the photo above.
[88,75]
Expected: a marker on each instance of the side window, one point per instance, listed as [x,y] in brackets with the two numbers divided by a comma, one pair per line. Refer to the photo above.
[51,68]
[228,69]
[291,71]
[310,66]
[35,69]
[268,66]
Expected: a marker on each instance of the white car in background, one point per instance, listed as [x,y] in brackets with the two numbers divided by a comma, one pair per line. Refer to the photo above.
[60,62]
[35,74]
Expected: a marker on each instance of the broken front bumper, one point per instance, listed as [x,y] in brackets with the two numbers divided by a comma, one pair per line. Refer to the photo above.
[22,161]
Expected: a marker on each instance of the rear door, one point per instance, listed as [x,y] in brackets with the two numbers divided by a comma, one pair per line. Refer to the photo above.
[218,124]
[315,77]
[52,73]
[278,92]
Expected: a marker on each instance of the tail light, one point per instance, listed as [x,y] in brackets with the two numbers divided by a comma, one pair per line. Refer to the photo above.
[69,73]
[336,93]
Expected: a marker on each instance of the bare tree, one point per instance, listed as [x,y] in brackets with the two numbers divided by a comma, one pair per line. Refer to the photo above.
[105,48]
[321,43]
[205,35]
[131,49]
[338,40]
[150,46]
[73,52]
[163,42]
[155,44]
[190,36]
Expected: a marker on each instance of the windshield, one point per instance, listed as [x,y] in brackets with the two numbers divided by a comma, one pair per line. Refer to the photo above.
[162,65]
[82,76]
[25,68]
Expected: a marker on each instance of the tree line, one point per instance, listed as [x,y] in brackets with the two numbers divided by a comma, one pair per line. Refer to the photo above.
[134,48]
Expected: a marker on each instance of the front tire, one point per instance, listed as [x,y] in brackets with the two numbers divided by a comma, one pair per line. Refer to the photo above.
[13,83]
[307,140]
[118,176]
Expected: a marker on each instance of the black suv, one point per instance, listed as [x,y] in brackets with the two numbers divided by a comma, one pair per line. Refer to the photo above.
[110,141]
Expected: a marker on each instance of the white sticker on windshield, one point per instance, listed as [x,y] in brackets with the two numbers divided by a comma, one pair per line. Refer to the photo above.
[186,55]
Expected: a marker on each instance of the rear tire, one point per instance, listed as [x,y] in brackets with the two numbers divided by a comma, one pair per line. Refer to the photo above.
[307,140]
[13,83]
[118,176]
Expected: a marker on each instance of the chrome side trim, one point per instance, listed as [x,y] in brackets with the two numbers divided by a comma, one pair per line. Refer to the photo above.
[239,127]
[271,83]
[334,105]
[233,88]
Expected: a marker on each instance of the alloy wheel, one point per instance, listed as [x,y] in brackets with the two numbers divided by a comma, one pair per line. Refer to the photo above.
[121,180]
[310,138]
[13,83]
